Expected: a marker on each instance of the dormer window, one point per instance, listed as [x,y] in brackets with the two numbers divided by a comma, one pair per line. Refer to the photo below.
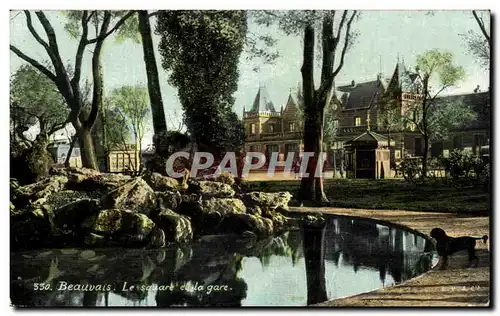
[357,121]
[292,127]
[271,128]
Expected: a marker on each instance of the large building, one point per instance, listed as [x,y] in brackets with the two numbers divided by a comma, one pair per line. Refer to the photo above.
[365,106]
[361,107]
[268,130]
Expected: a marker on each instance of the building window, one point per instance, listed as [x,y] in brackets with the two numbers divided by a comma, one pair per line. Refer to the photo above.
[397,154]
[357,121]
[252,128]
[271,128]
[272,149]
[292,127]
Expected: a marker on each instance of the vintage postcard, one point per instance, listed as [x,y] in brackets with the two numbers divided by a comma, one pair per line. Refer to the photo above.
[242,158]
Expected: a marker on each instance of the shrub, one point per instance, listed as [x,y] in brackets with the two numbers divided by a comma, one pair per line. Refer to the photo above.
[411,168]
[462,164]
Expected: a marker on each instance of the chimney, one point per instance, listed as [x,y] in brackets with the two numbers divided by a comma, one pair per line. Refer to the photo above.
[353,83]
[477,89]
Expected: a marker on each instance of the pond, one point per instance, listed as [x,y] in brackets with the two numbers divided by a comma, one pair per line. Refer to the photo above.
[297,268]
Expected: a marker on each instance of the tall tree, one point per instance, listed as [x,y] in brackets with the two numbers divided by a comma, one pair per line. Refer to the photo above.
[68,83]
[437,73]
[335,35]
[132,103]
[157,110]
[201,50]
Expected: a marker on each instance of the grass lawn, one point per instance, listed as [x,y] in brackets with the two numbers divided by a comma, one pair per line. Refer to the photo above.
[471,198]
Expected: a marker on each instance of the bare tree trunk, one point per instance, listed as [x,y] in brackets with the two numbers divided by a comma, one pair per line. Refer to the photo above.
[425,133]
[159,123]
[87,148]
[319,189]
[311,120]
[314,257]
[70,151]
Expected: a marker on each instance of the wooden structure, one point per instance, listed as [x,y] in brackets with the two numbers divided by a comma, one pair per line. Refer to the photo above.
[123,159]
[368,156]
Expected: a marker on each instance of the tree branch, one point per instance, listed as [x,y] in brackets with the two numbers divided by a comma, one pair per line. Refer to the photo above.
[96,72]
[34,63]
[81,48]
[346,44]
[481,26]
[103,36]
[325,86]
[49,30]
[341,25]
[155,13]
[33,32]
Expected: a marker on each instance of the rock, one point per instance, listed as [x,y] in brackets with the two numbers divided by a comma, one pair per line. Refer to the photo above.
[267,200]
[157,237]
[71,215]
[222,206]
[224,177]
[280,222]
[95,240]
[211,189]
[169,199]
[82,179]
[254,210]
[38,190]
[159,182]
[64,197]
[239,223]
[177,228]
[125,226]
[207,215]
[30,228]
[76,175]
[135,195]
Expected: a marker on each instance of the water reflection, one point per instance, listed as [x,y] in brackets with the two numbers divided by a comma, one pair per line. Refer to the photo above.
[307,266]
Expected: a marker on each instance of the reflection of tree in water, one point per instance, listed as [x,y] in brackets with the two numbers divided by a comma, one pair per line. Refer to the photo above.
[216,260]
[314,255]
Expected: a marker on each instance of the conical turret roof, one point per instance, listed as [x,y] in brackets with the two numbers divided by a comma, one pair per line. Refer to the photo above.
[262,102]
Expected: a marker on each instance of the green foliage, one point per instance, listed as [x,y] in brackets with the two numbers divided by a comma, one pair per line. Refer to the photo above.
[331,125]
[440,63]
[129,30]
[34,97]
[411,168]
[201,50]
[73,23]
[447,117]
[174,141]
[462,164]
[132,103]
[478,40]
[479,47]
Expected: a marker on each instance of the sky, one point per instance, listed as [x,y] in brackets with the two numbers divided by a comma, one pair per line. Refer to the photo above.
[383,37]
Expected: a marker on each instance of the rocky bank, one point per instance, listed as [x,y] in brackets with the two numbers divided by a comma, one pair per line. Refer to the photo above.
[79,207]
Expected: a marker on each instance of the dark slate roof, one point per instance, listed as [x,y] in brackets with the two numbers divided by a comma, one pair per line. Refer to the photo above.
[262,102]
[479,102]
[361,95]
[369,136]
[291,101]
